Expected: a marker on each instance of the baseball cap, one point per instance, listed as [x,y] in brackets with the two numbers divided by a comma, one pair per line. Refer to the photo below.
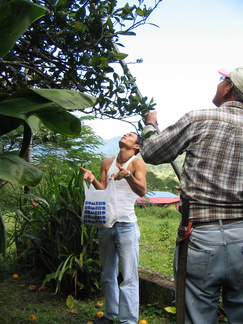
[236,76]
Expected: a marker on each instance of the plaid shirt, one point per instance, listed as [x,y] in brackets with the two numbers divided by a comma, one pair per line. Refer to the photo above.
[212,175]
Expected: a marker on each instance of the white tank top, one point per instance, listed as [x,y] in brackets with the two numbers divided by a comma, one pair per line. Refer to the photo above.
[125,196]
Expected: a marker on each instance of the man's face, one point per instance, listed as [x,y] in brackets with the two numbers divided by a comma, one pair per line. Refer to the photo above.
[129,139]
[221,92]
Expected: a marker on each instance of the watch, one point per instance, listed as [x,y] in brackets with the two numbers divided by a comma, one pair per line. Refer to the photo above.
[150,124]
[128,175]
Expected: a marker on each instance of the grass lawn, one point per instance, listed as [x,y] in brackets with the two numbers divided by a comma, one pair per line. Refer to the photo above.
[158,227]
[19,305]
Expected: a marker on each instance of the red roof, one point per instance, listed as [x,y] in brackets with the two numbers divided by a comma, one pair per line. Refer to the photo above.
[153,200]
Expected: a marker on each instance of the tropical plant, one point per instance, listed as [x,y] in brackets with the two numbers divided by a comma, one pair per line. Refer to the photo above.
[29,107]
[47,231]
[16,17]
[75,46]
[51,238]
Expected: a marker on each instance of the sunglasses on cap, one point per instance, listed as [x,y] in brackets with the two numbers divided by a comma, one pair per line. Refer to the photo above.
[223,77]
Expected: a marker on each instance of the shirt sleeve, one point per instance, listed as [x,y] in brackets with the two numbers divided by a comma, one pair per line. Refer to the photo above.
[163,147]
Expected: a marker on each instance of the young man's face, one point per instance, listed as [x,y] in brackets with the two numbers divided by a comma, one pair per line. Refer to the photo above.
[130,140]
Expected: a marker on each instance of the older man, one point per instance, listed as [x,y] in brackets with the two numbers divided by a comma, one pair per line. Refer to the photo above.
[120,243]
[212,183]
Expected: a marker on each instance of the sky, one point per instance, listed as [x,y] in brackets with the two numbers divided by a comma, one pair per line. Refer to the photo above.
[181,58]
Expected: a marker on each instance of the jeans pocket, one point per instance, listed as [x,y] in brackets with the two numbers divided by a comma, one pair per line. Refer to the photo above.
[197,262]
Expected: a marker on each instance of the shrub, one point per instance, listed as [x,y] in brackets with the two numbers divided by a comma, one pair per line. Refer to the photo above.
[52,238]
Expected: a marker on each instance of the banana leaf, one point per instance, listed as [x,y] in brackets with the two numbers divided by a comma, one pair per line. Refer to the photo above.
[16,16]
[16,170]
[51,106]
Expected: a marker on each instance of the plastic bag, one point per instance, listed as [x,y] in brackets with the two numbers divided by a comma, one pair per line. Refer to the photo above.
[100,205]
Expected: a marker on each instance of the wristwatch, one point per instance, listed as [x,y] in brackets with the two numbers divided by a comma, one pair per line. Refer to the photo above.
[151,125]
[128,175]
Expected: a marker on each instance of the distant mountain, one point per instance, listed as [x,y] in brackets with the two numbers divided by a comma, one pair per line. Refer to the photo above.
[110,147]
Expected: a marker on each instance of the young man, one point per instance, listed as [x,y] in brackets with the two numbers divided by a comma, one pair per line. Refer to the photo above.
[119,245]
[212,183]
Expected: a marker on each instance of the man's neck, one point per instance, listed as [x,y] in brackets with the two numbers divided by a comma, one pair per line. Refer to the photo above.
[124,155]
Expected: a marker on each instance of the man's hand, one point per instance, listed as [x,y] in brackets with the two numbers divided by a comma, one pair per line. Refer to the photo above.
[120,175]
[88,175]
[151,118]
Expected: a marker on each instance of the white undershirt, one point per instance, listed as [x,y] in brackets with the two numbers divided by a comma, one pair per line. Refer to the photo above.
[125,196]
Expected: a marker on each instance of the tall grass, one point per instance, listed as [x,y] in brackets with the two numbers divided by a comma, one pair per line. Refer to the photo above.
[158,227]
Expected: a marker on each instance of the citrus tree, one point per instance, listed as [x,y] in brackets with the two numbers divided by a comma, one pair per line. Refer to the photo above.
[76,46]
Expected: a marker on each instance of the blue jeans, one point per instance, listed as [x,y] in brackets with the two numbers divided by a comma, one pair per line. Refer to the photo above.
[215,266]
[119,247]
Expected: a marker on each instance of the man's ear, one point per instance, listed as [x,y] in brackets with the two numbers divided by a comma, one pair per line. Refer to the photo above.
[229,91]
[136,146]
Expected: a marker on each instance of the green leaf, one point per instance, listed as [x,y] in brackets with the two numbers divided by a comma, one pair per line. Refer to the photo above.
[16,16]
[32,197]
[50,106]
[171,310]
[67,99]
[25,102]
[62,4]
[2,236]
[126,33]
[70,301]
[139,12]
[80,26]
[17,170]
[7,124]
[120,56]
[61,122]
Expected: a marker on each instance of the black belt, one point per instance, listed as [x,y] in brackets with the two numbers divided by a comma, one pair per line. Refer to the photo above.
[218,222]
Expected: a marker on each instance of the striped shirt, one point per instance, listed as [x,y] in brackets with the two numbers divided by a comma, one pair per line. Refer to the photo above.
[212,174]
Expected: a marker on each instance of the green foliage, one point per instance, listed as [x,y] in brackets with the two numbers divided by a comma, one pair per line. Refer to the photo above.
[59,148]
[16,16]
[50,106]
[71,48]
[70,156]
[3,235]
[153,182]
[162,177]
[31,107]
[75,47]
[163,182]
[16,170]
[50,237]
[43,105]
[152,309]
[158,227]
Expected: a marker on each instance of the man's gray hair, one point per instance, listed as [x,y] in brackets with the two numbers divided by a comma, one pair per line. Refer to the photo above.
[237,94]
